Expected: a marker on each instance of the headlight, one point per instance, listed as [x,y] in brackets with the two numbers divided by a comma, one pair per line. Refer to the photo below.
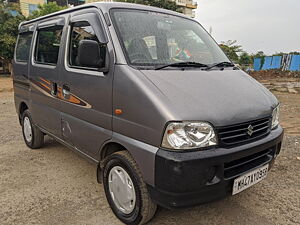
[188,135]
[275,117]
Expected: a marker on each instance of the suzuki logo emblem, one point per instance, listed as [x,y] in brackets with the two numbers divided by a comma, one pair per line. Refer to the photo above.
[250,130]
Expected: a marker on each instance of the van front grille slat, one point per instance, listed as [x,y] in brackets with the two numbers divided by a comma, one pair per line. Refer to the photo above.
[261,124]
[260,129]
[240,134]
[233,131]
[233,136]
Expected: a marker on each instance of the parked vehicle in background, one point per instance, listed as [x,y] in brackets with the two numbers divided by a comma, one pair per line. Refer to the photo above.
[148,96]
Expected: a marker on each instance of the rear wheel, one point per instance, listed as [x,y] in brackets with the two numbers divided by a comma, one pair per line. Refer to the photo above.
[33,137]
[125,189]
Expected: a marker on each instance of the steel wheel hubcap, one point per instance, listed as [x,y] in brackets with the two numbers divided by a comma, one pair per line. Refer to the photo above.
[27,129]
[121,189]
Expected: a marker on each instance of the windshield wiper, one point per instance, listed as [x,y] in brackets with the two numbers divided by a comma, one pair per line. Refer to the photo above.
[220,64]
[182,64]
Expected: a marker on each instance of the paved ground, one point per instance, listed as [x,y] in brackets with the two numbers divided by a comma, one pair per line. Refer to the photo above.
[53,185]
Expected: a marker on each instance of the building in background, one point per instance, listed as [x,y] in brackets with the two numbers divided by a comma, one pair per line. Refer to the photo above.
[188,7]
[28,6]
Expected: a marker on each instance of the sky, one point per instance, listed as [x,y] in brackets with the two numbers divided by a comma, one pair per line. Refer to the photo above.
[258,25]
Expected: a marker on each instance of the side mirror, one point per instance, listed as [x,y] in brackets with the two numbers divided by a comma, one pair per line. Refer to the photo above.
[90,55]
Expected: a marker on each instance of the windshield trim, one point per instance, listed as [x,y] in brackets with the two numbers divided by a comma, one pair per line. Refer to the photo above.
[119,36]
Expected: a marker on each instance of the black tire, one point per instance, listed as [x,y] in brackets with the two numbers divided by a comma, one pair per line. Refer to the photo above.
[144,208]
[37,139]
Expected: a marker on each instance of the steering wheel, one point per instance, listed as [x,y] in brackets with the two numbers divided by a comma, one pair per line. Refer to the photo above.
[137,57]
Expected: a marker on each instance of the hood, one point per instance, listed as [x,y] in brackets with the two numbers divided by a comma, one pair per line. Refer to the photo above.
[220,97]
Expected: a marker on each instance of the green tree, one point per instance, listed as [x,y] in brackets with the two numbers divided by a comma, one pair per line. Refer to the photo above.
[279,54]
[46,9]
[8,31]
[245,59]
[259,54]
[9,26]
[166,4]
[294,53]
[231,49]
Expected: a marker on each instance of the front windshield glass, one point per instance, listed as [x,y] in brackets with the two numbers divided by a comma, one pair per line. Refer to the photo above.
[154,39]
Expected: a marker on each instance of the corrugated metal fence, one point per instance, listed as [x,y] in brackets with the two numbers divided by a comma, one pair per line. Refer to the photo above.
[286,62]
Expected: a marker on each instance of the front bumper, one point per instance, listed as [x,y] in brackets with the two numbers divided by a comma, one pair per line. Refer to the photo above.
[191,178]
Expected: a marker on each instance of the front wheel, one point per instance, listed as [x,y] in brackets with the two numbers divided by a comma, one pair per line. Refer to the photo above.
[125,189]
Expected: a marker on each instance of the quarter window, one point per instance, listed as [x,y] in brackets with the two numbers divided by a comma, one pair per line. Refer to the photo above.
[23,47]
[82,31]
[47,47]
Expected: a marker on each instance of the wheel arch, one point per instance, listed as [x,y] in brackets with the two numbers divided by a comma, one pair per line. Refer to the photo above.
[110,148]
[22,107]
[106,150]
[144,154]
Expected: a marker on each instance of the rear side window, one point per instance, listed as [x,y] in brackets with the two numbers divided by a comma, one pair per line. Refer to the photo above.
[82,31]
[23,47]
[47,46]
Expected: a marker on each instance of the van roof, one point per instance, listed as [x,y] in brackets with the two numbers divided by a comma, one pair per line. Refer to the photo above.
[104,7]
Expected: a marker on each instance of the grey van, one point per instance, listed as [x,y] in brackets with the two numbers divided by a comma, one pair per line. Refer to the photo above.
[148,96]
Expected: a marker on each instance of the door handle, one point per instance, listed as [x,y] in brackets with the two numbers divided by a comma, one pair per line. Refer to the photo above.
[66,91]
[54,89]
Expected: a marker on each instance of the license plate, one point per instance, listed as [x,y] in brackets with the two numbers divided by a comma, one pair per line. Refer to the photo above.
[247,180]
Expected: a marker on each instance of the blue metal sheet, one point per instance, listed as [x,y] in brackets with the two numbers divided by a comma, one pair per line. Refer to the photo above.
[257,64]
[295,63]
[276,62]
[267,63]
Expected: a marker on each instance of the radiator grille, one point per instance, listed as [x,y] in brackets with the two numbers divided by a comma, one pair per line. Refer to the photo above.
[244,132]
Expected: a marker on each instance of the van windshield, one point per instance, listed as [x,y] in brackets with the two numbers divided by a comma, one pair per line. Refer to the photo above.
[153,39]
